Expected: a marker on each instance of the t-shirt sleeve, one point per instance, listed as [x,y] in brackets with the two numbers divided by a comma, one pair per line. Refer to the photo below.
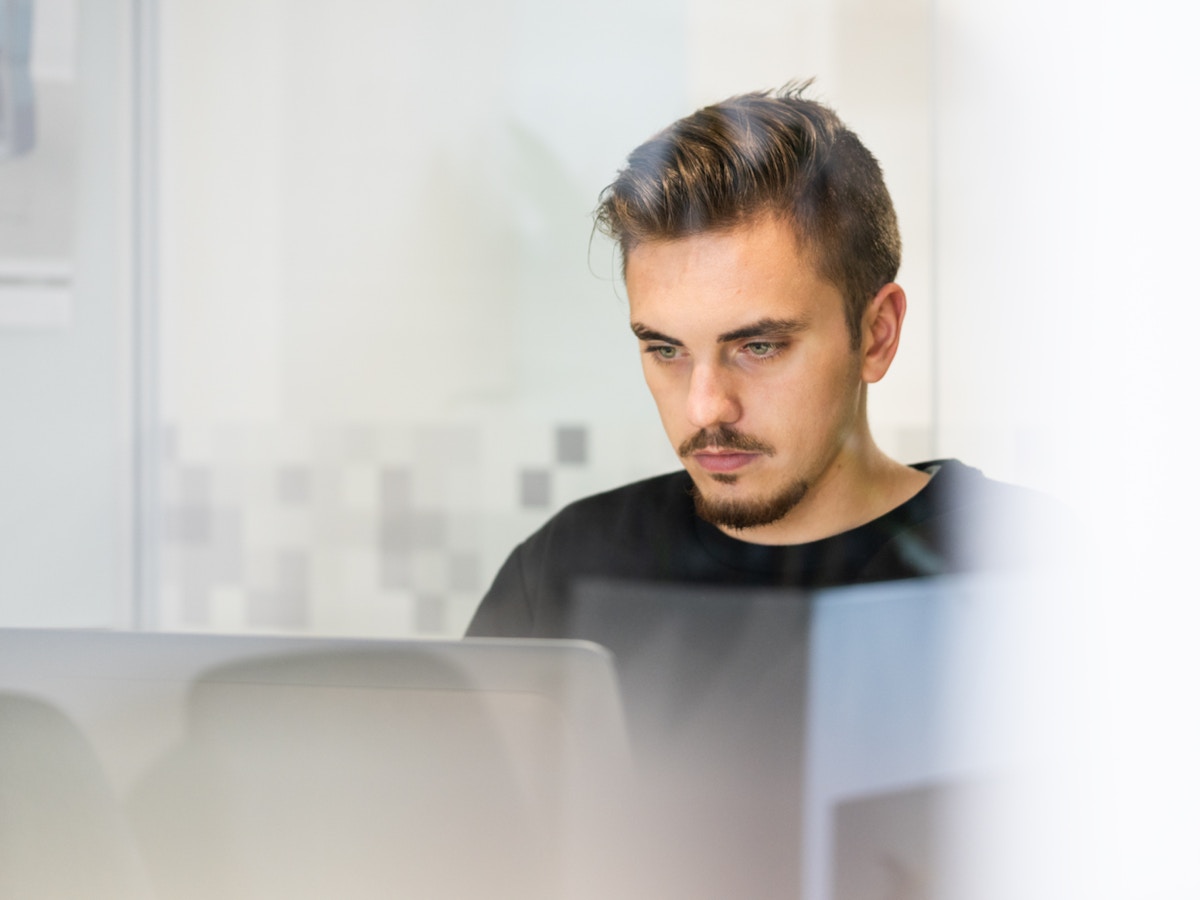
[505,610]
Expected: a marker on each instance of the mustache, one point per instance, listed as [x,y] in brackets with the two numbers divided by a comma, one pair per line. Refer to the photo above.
[723,438]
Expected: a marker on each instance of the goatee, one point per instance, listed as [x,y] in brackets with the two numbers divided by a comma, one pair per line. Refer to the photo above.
[739,514]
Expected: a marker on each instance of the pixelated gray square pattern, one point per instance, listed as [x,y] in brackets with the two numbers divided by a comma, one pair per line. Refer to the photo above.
[570,445]
[210,537]
[534,489]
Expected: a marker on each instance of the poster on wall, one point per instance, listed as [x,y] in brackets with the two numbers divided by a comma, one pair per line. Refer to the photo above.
[38,162]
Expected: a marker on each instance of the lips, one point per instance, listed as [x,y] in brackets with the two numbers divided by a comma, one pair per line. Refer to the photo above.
[724,462]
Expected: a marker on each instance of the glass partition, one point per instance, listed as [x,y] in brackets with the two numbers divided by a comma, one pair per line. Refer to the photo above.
[391,344]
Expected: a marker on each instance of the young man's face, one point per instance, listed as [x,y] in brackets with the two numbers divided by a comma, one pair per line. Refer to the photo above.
[747,353]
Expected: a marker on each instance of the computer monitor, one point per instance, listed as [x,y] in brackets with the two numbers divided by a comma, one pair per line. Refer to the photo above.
[843,744]
[244,766]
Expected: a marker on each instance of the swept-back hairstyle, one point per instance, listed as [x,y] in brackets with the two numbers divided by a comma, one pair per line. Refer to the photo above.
[769,152]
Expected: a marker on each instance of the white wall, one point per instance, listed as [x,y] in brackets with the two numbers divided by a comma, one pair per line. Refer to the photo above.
[1066,237]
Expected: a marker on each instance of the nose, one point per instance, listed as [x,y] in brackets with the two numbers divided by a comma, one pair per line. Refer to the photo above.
[712,399]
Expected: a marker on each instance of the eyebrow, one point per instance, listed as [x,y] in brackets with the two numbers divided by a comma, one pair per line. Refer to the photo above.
[760,328]
[645,333]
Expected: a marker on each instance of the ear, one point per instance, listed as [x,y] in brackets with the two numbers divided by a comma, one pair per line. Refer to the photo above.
[881,324]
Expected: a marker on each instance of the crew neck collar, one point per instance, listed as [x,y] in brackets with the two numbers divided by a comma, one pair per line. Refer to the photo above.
[848,548]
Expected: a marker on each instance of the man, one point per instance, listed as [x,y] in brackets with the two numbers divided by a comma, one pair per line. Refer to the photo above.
[760,251]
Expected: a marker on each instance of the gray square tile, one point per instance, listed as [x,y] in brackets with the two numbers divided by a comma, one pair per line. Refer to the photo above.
[570,445]
[534,489]
[421,529]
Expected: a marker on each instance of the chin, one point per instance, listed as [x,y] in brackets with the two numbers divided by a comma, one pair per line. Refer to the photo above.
[746,512]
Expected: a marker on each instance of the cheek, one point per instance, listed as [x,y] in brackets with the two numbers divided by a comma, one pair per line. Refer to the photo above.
[663,381]
[834,401]
[808,400]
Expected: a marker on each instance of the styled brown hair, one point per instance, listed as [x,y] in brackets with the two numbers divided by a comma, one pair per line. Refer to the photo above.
[769,152]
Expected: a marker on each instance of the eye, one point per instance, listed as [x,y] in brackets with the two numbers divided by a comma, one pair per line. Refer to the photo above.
[663,352]
[763,349]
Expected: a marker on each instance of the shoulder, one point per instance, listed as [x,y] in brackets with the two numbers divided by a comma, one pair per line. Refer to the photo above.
[616,524]
[633,504]
[989,523]
[634,532]
[956,487]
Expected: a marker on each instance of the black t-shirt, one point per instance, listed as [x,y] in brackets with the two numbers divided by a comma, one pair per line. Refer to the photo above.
[649,532]
[710,653]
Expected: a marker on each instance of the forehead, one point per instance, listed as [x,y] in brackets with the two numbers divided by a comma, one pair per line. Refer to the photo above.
[725,278]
